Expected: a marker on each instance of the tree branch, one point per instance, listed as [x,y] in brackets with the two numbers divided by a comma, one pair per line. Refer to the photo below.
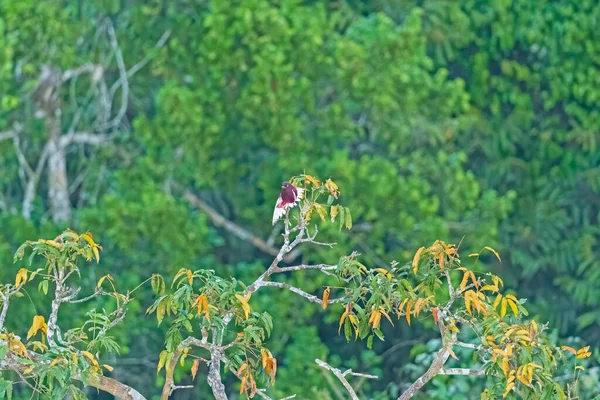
[232,227]
[299,292]
[106,384]
[461,371]
[342,376]
[434,369]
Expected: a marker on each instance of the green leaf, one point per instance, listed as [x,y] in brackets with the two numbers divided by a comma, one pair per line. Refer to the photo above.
[347,329]
[379,334]
[370,342]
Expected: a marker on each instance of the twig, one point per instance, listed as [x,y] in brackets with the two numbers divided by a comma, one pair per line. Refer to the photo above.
[299,292]
[342,376]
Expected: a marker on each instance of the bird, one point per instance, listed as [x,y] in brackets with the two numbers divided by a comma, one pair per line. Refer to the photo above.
[287,199]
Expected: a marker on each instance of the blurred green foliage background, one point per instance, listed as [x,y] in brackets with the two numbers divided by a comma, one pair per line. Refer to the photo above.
[438,119]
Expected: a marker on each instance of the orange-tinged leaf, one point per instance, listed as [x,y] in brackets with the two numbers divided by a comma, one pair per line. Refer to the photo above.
[442,260]
[243,385]
[326,297]
[434,313]
[474,280]
[315,182]
[468,301]
[264,354]
[21,277]
[386,315]
[408,305]
[195,366]
[464,281]
[416,258]
[569,349]
[493,251]
[269,365]
[274,365]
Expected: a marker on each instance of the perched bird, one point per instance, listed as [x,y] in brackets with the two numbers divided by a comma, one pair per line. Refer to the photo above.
[288,198]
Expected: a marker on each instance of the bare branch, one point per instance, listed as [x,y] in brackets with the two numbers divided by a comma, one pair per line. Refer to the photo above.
[86,68]
[342,376]
[232,227]
[461,371]
[5,304]
[123,77]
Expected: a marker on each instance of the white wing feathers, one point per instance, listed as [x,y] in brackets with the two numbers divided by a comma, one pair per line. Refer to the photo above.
[280,211]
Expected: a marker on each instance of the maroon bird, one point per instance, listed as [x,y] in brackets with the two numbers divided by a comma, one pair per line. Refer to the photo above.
[288,198]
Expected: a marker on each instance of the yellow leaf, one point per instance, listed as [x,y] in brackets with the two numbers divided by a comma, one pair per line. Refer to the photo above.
[509,387]
[96,254]
[315,182]
[497,301]
[384,272]
[513,306]
[511,297]
[343,318]
[415,262]
[408,305]
[190,276]
[569,349]
[162,359]
[333,212]
[195,366]
[39,323]
[21,277]
[326,297]
[332,188]
[474,255]
[505,365]
[579,367]
[468,301]
[490,288]
[441,260]
[244,302]
[376,314]
[101,280]
[87,238]
[54,362]
[108,367]
[503,308]
[493,251]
